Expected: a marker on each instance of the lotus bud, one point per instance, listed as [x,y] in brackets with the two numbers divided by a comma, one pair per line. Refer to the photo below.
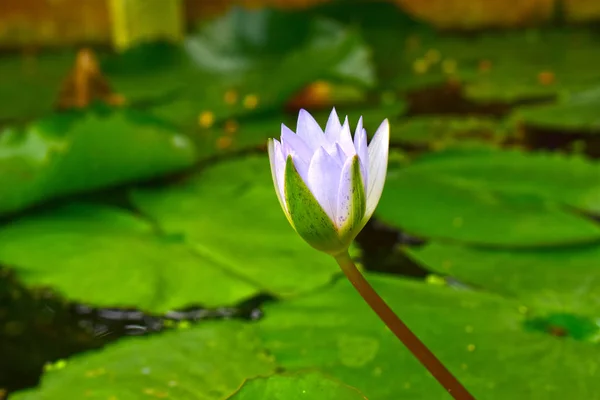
[328,183]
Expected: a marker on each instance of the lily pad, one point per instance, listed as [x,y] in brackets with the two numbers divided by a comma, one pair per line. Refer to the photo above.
[72,153]
[563,279]
[229,213]
[240,70]
[439,130]
[345,339]
[577,112]
[209,361]
[503,67]
[424,205]
[256,90]
[571,180]
[243,39]
[311,385]
[107,257]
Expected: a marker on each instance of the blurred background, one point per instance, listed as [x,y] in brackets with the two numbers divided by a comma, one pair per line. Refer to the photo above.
[111,111]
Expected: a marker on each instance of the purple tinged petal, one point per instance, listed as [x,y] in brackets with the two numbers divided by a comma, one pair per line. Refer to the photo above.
[295,142]
[360,144]
[324,178]
[299,162]
[378,160]
[358,132]
[345,140]
[338,155]
[310,131]
[333,127]
[277,172]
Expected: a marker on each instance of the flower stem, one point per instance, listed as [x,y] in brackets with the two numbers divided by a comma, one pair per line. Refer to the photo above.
[395,324]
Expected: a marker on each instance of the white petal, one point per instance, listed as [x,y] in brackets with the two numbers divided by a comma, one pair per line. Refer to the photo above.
[350,210]
[310,131]
[300,163]
[277,171]
[357,132]
[360,144]
[333,127]
[378,160]
[338,155]
[345,140]
[296,143]
[324,178]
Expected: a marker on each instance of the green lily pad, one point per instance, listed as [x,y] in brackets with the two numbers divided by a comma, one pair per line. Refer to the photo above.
[243,39]
[564,279]
[424,205]
[108,257]
[209,361]
[578,112]
[150,71]
[502,67]
[229,213]
[73,153]
[307,385]
[481,338]
[570,180]
[440,130]
[239,70]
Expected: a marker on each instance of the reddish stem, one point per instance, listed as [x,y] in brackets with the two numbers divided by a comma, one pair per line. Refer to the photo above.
[406,336]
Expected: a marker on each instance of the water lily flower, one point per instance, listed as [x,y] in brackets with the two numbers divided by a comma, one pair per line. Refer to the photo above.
[327,183]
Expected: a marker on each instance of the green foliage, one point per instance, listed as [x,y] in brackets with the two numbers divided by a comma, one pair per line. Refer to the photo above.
[560,279]
[80,152]
[299,386]
[107,257]
[229,213]
[29,84]
[244,39]
[569,180]
[513,237]
[502,67]
[440,130]
[494,198]
[476,335]
[335,331]
[209,362]
[576,112]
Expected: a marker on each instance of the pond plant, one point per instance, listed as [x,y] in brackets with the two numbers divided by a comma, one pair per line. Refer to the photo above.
[328,186]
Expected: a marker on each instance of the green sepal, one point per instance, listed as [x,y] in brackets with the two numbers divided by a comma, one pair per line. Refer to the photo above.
[358,206]
[308,217]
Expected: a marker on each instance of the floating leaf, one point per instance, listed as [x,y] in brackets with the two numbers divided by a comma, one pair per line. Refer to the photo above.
[229,213]
[564,279]
[299,386]
[571,180]
[442,129]
[107,257]
[244,39]
[501,67]
[423,205]
[209,361]
[73,153]
[483,339]
[577,113]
